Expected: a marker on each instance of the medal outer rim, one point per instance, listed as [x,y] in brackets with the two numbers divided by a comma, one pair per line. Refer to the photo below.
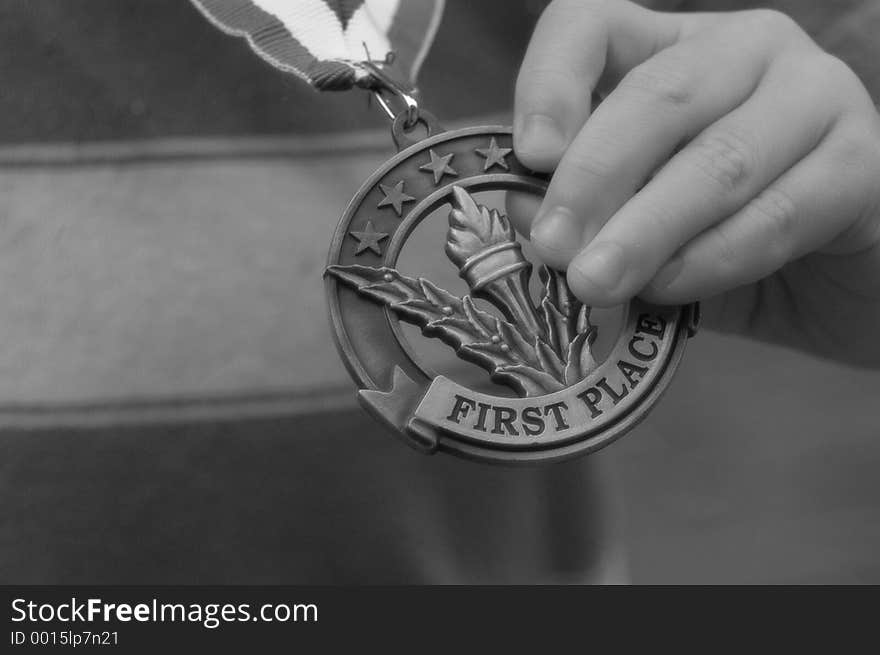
[685,325]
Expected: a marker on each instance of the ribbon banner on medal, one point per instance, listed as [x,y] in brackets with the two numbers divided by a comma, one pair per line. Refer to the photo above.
[334,45]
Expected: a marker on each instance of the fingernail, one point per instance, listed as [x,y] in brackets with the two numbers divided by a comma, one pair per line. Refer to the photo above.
[539,137]
[599,269]
[557,233]
[668,274]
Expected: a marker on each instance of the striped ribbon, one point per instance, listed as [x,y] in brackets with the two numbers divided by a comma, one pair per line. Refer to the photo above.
[329,42]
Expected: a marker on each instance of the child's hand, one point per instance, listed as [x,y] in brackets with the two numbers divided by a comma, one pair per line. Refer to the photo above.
[759,154]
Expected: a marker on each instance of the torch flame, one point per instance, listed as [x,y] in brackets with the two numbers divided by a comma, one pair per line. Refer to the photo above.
[473,228]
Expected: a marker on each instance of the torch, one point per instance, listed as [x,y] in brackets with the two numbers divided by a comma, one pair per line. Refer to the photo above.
[482,244]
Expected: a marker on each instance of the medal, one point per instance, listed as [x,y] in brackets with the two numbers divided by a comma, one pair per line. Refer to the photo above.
[553,396]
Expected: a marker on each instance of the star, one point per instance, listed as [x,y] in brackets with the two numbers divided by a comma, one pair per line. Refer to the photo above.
[494,155]
[394,196]
[369,238]
[439,166]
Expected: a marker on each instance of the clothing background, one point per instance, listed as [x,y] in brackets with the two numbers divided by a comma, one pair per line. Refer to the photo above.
[171,407]
[107,69]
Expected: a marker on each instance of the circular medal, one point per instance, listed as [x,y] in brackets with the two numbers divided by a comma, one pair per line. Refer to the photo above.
[556,397]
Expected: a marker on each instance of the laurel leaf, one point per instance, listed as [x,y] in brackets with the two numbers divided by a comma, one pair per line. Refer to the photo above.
[372,282]
[499,351]
[416,309]
[436,295]
[532,381]
[453,323]
[583,319]
[476,335]
[559,308]
[587,362]
[580,362]
[484,322]
[548,360]
[554,323]
[512,337]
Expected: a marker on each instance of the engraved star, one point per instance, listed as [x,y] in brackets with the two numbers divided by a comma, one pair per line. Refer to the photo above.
[494,155]
[439,166]
[369,238]
[394,196]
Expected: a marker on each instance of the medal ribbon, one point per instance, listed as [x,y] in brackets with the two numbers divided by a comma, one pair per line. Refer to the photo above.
[334,45]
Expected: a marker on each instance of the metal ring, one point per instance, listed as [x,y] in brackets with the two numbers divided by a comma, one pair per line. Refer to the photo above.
[411,107]
[400,130]
[384,83]
[412,110]
[384,105]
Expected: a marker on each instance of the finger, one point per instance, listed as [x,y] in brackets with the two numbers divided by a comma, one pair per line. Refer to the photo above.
[711,178]
[521,209]
[659,105]
[805,209]
[573,43]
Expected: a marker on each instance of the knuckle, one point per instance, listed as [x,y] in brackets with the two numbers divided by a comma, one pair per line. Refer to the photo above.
[595,164]
[663,84]
[662,225]
[596,155]
[856,155]
[725,251]
[833,86]
[725,157]
[770,21]
[834,75]
[777,211]
[852,149]
[849,151]
[832,68]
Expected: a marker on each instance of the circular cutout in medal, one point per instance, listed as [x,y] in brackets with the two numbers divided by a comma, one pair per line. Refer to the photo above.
[555,381]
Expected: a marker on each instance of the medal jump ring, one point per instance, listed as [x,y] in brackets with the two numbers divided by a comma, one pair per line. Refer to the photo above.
[411,108]
[382,83]
[402,132]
